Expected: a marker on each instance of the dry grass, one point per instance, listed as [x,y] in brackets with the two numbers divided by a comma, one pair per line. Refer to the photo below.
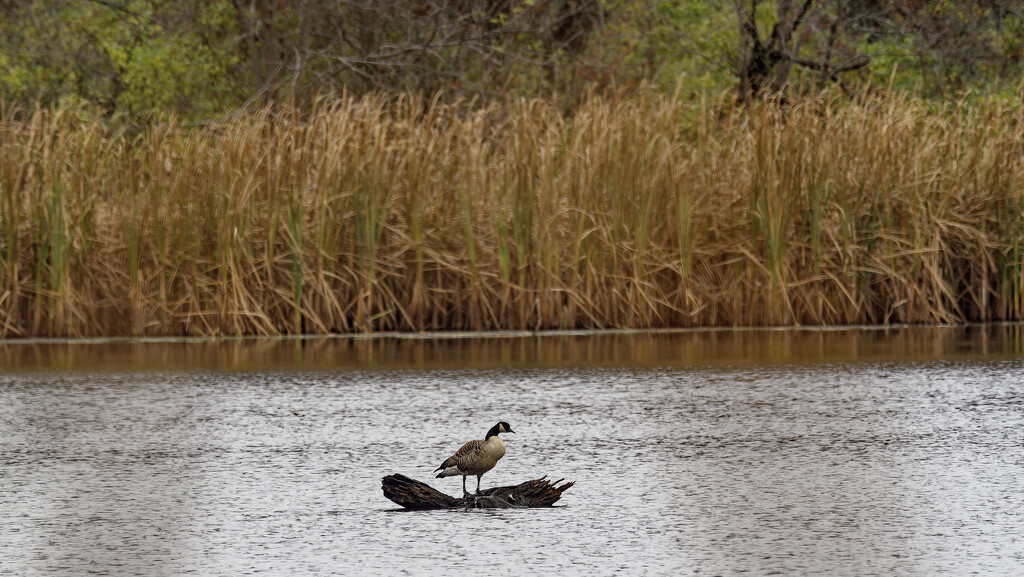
[381,214]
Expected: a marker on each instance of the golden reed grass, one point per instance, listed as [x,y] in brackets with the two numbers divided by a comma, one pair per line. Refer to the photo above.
[391,214]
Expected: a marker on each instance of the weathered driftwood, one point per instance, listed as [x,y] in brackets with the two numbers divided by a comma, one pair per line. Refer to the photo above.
[413,494]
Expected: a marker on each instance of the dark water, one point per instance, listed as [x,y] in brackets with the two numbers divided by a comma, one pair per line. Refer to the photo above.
[721,453]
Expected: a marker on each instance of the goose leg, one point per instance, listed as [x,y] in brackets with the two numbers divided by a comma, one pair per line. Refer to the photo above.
[478,484]
[465,493]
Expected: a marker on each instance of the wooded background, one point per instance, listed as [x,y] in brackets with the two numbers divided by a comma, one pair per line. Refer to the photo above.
[197,59]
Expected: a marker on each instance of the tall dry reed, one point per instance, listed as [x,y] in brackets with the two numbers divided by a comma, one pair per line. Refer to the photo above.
[379,214]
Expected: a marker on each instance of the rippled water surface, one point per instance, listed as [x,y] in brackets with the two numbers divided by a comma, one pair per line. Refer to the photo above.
[720,453]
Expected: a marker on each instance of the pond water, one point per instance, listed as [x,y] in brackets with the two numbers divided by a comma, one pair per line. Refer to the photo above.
[861,452]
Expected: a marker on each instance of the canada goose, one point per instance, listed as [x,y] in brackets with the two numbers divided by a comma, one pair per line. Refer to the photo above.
[476,457]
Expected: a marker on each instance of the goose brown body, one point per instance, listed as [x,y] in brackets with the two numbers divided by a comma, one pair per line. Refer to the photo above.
[476,457]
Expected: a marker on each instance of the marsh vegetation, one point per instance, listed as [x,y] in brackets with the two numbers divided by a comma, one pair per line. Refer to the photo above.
[389,213]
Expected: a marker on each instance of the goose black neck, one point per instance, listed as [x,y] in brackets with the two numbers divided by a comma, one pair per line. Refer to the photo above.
[493,432]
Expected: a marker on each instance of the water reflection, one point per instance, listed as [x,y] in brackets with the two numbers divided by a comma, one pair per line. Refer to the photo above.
[670,348]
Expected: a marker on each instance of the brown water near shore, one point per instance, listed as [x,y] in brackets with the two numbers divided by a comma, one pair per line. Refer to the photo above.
[546,349]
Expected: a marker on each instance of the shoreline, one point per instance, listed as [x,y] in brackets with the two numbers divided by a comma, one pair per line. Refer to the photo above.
[510,334]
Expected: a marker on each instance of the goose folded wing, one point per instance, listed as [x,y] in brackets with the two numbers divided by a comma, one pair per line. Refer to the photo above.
[470,455]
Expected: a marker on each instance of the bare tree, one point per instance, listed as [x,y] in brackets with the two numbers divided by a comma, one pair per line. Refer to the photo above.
[409,45]
[766,60]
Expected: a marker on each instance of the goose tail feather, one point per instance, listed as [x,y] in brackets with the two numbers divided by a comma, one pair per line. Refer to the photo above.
[448,472]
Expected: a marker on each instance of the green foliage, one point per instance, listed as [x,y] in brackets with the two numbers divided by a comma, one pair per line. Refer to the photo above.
[133,59]
[661,41]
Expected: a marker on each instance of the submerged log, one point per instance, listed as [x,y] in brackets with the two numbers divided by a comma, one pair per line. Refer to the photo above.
[413,494]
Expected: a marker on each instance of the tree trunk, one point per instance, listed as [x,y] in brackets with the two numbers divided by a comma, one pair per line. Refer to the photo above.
[413,494]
